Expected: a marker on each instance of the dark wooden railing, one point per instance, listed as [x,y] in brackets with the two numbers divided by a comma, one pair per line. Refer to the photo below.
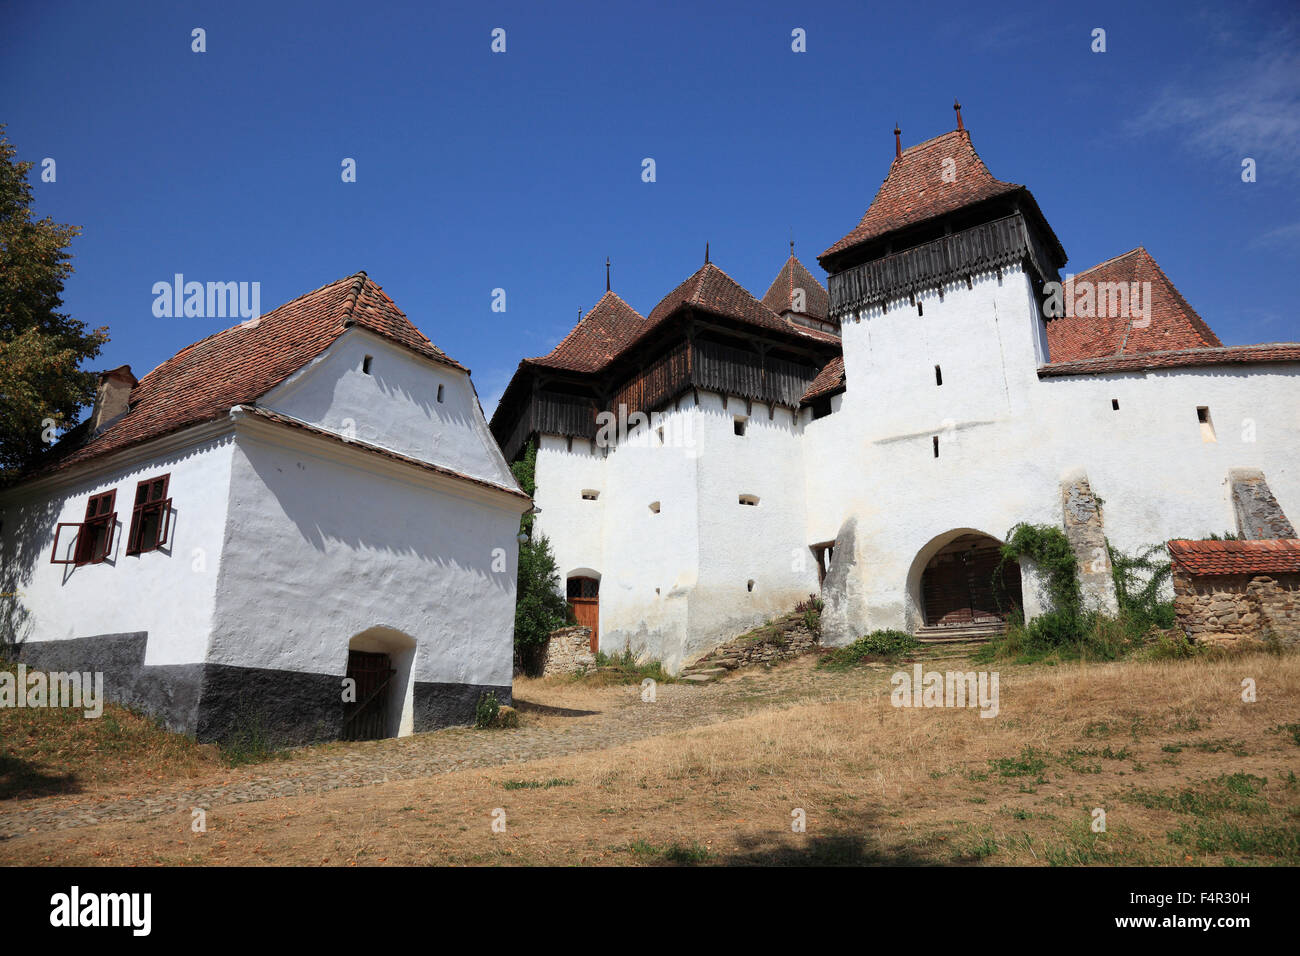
[708,366]
[986,246]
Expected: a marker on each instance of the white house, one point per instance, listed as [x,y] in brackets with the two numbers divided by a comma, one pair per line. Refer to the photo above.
[307,497]
[876,442]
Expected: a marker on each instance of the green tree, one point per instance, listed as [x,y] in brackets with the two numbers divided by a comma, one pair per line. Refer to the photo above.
[540,607]
[41,348]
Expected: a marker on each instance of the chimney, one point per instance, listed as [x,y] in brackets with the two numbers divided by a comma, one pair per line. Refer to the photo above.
[111,397]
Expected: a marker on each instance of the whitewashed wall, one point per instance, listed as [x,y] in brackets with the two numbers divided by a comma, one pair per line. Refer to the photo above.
[321,547]
[395,406]
[168,593]
[1007,438]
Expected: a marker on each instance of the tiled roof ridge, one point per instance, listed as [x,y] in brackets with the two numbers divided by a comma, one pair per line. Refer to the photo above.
[1172,358]
[1255,556]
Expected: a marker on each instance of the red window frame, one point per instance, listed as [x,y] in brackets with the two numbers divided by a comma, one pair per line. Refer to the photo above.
[151,516]
[94,534]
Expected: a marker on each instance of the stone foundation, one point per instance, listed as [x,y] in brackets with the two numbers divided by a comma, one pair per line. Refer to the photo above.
[1214,608]
[568,651]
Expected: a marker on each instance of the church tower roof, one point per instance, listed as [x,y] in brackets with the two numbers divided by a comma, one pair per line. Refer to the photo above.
[1172,326]
[781,298]
[599,336]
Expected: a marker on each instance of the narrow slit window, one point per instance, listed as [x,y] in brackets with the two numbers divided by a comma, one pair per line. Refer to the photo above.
[738,426]
[749,585]
[1207,424]
[920,309]
[1114,404]
[439,393]
[365,364]
[938,375]
[935,440]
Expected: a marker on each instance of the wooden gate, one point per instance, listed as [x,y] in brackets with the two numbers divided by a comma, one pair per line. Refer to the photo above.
[584,598]
[963,586]
[367,718]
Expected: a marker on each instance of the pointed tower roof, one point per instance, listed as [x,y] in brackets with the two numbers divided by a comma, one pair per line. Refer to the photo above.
[1174,325]
[922,185]
[712,290]
[598,337]
[780,296]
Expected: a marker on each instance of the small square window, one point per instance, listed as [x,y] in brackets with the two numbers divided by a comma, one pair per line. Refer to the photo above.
[1114,404]
[654,507]
[738,426]
[589,494]
[749,500]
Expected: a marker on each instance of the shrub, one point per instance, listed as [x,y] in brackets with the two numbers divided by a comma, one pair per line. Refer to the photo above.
[882,645]
[486,711]
[811,610]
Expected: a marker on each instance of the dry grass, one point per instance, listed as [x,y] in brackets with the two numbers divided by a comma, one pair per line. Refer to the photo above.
[1186,773]
[55,751]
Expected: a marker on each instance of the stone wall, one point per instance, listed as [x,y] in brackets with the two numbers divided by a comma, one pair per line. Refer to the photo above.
[568,651]
[769,644]
[1214,608]
[1086,532]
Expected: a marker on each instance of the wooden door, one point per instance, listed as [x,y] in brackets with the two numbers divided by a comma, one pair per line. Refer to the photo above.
[963,587]
[584,598]
[367,717]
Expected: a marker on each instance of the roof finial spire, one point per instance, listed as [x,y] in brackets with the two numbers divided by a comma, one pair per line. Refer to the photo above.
[607,273]
[957,106]
[792,242]
[898,142]
[706,252]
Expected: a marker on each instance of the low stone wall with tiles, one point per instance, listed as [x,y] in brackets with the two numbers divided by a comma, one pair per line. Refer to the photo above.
[1228,607]
[568,652]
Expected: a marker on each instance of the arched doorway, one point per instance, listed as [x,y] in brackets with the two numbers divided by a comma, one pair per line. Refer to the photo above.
[583,592]
[380,663]
[962,585]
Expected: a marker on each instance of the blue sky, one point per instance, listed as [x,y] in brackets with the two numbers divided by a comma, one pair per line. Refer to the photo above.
[522,170]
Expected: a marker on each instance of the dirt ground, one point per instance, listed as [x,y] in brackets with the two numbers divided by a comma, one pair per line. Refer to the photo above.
[1184,771]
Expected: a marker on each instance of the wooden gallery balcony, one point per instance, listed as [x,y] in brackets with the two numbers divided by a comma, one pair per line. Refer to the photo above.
[697,365]
[929,265]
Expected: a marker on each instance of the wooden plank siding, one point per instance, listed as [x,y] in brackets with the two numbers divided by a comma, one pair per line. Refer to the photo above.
[698,364]
[929,265]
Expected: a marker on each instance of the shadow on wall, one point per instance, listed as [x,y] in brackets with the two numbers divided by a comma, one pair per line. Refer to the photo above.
[325,509]
[23,540]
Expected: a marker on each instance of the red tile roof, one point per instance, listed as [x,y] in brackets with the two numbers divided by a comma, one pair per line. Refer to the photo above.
[712,290]
[203,381]
[793,275]
[597,339]
[828,381]
[916,188]
[1142,361]
[1274,556]
[1172,326]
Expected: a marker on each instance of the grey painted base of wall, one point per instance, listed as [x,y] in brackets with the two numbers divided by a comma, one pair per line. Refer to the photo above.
[221,702]
[449,705]
[168,692]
